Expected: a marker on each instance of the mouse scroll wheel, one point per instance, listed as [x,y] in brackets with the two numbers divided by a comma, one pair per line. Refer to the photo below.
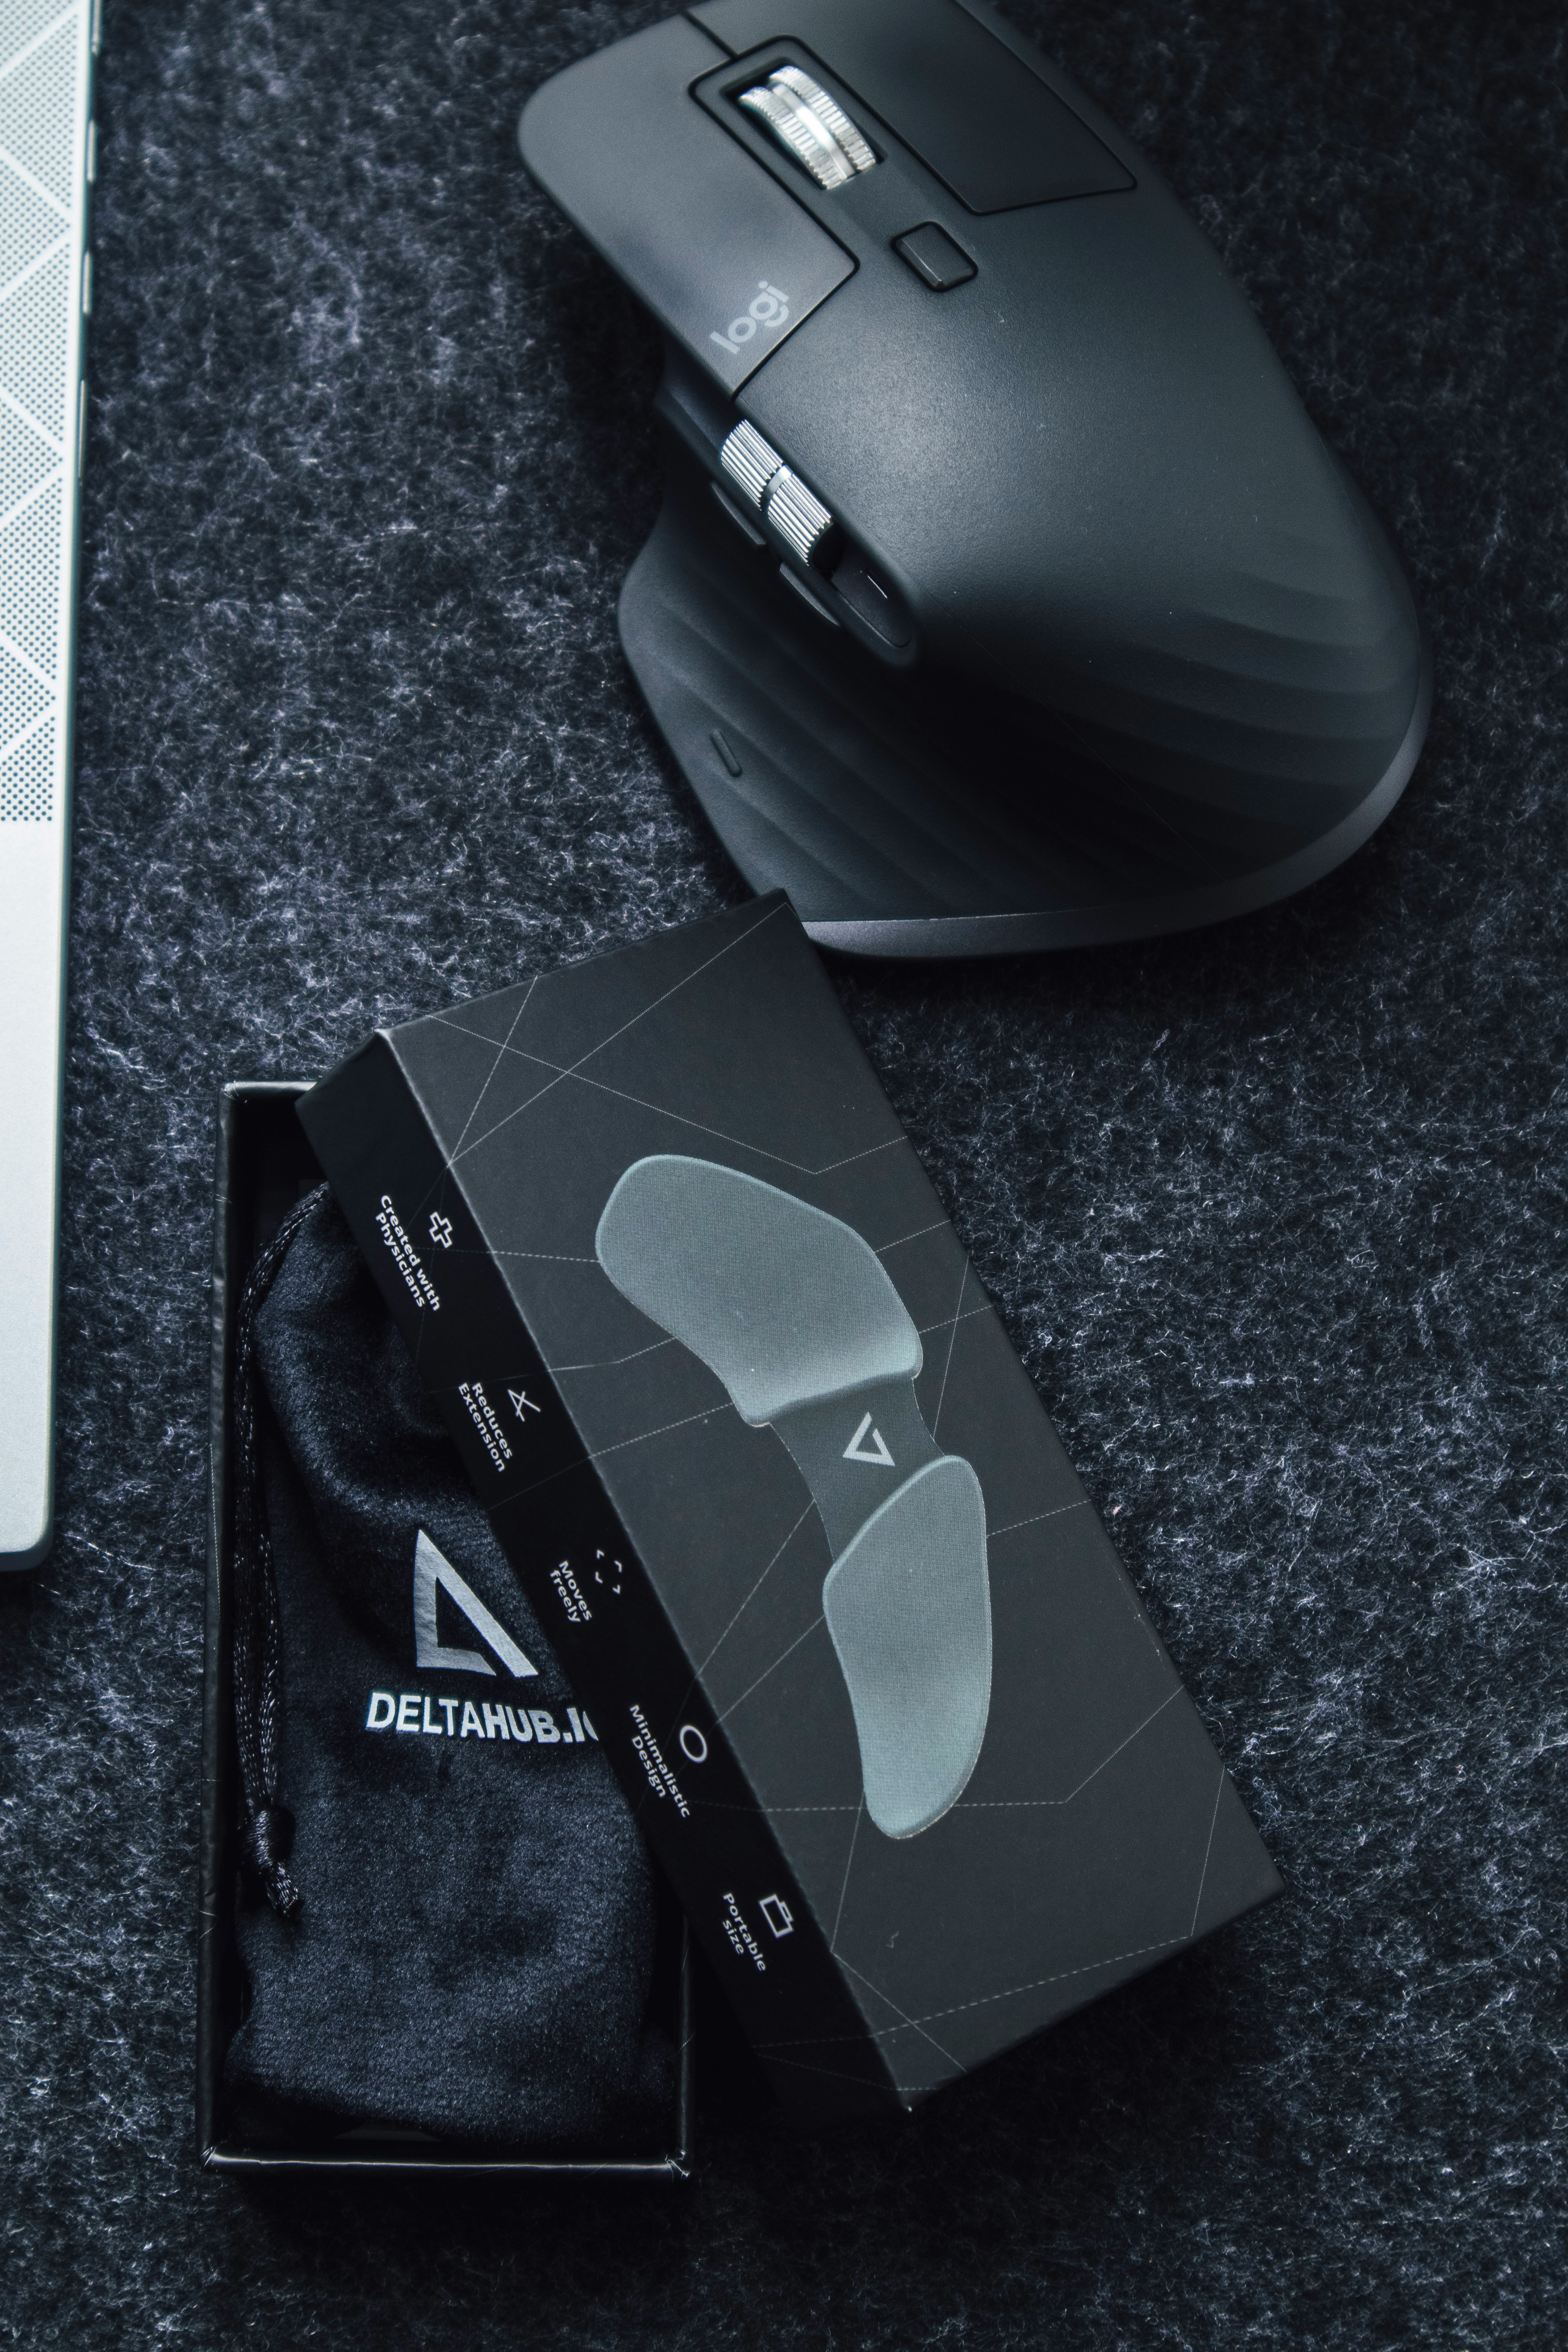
[780,496]
[811,126]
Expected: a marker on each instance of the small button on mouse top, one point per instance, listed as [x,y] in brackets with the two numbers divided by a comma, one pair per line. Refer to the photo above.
[935,256]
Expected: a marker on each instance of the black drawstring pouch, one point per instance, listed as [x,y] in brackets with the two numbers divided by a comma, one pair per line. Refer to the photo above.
[446,1919]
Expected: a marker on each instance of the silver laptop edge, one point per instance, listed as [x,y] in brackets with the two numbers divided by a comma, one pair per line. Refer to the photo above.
[46,90]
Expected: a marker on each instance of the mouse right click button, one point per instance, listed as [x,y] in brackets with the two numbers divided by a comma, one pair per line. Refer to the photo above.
[934,257]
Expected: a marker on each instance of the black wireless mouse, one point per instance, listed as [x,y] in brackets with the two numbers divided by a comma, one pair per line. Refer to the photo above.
[1003,595]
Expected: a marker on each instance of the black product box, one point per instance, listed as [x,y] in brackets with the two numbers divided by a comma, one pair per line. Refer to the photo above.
[892,1715]
[264,1165]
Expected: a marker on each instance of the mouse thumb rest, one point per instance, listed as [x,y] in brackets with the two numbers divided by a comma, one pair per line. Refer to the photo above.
[929,816]
[1003,597]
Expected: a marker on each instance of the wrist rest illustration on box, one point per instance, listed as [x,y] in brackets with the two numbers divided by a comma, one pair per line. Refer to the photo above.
[796,1315]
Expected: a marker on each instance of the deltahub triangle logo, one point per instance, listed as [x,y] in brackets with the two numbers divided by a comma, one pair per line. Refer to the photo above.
[432,1571]
[422,1711]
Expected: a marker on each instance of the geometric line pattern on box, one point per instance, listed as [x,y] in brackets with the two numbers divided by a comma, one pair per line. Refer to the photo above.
[558,1071]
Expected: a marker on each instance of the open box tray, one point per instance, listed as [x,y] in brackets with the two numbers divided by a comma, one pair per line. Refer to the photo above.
[264,1165]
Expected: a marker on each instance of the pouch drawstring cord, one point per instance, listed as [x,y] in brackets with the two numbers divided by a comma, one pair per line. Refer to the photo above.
[258,1640]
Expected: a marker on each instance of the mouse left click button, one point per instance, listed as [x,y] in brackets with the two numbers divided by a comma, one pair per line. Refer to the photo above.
[726,257]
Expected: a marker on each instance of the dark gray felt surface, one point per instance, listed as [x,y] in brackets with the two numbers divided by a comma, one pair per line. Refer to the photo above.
[1276,1214]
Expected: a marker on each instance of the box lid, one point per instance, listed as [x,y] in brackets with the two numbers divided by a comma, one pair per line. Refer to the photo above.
[896,1719]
